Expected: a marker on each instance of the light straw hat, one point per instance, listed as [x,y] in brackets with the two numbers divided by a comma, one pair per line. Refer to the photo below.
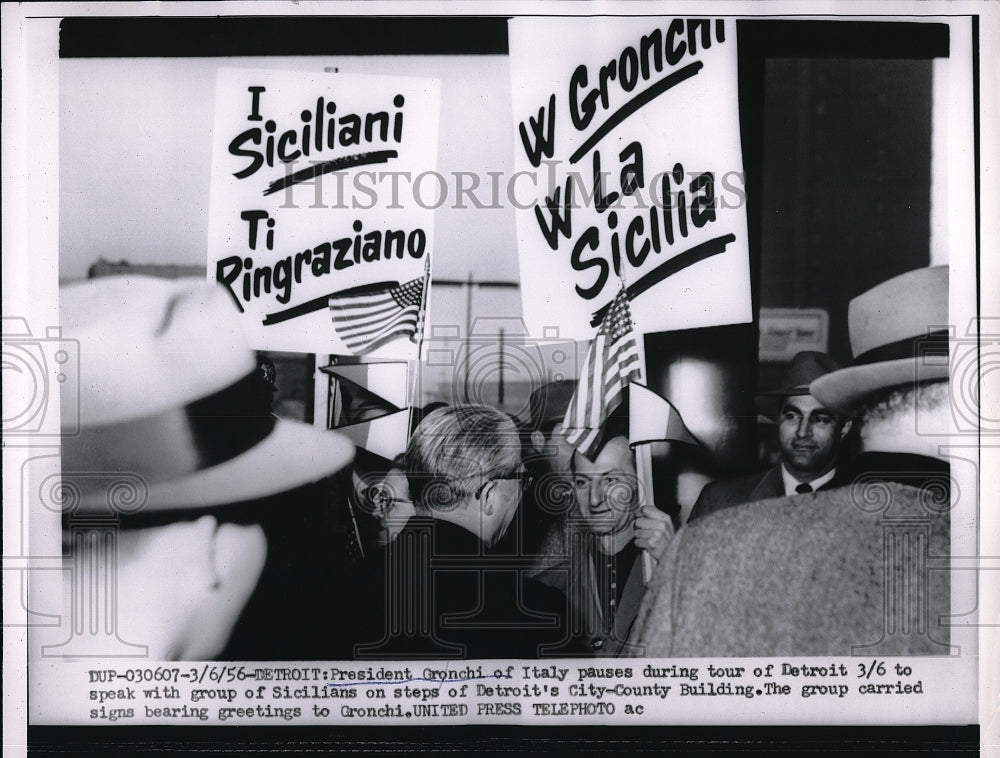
[899,336]
[169,415]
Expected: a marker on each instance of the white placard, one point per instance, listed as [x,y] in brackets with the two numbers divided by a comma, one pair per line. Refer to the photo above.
[289,228]
[630,130]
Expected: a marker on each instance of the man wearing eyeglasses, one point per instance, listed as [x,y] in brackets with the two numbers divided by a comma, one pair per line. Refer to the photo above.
[464,466]
[466,479]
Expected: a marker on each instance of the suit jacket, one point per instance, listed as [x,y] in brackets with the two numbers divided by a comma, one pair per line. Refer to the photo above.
[446,595]
[576,577]
[811,575]
[716,496]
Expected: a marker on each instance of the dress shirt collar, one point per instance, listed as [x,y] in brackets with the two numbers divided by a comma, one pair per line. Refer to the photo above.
[791,482]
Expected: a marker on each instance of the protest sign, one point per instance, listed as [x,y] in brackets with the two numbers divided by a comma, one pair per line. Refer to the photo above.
[313,267]
[629,129]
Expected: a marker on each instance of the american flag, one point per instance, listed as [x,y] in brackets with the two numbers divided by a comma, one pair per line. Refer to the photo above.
[613,361]
[365,319]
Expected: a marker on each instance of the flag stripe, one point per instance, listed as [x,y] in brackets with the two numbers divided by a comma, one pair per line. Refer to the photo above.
[374,342]
[402,319]
[366,321]
[378,342]
[380,307]
[596,369]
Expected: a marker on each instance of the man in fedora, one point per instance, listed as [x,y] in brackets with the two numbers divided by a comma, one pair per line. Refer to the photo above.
[547,405]
[539,528]
[809,437]
[173,465]
[817,574]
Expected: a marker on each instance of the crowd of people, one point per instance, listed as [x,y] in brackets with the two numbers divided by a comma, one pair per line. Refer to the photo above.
[259,538]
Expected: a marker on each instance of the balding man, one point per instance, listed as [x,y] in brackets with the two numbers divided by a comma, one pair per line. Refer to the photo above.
[449,594]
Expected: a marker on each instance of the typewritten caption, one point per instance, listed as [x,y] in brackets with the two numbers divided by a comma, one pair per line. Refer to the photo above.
[477,691]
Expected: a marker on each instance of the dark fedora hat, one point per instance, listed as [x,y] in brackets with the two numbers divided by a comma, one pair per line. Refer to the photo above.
[549,402]
[805,367]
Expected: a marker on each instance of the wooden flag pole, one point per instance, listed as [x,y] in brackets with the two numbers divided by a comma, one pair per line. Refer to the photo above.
[414,366]
[644,466]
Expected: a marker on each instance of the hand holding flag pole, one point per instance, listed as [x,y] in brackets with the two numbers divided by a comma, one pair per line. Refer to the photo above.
[616,361]
[653,419]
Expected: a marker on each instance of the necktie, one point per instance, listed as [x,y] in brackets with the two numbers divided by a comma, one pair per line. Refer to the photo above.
[804,488]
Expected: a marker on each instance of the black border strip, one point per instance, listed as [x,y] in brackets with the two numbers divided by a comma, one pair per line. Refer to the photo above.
[497,740]
[173,37]
[213,37]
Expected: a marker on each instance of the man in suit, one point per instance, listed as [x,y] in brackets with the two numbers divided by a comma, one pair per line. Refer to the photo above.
[809,436]
[815,574]
[449,592]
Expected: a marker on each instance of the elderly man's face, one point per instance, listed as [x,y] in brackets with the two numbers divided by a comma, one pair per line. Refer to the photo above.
[809,436]
[607,489]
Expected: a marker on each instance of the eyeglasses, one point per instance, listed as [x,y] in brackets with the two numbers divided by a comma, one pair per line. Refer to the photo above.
[381,499]
[522,476]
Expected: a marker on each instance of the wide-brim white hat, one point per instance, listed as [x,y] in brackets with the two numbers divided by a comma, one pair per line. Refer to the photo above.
[165,394]
[899,336]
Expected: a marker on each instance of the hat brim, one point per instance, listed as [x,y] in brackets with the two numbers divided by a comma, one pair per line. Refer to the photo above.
[768,402]
[844,390]
[802,389]
[292,455]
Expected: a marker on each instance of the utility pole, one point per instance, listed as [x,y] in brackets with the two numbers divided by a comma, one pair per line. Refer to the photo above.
[468,333]
[469,284]
[500,383]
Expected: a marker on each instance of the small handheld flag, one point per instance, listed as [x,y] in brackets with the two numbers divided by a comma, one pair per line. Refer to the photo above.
[612,362]
[652,419]
[368,317]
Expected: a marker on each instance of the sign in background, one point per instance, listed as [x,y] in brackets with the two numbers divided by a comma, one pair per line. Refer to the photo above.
[784,332]
[300,234]
[630,130]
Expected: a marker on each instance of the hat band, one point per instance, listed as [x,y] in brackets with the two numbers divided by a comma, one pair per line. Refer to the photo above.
[173,444]
[932,343]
